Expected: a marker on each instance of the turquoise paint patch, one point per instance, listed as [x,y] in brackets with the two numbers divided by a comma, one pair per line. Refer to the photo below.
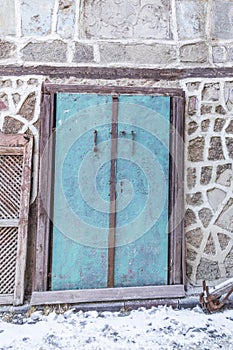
[141,253]
[74,264]
[144,260]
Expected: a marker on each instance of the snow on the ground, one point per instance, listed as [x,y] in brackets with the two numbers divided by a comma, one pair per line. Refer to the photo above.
[157,328]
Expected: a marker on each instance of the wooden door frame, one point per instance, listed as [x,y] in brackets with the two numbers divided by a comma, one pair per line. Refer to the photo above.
[176,264]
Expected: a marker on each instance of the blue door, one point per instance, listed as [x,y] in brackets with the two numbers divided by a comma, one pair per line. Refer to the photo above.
[111,183]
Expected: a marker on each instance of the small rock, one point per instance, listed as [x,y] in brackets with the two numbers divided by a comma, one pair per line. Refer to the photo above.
[60,318]
[93,314]
[229,318]
[106,328]
[26,339]
[68,313]
[198,309]
[36,316]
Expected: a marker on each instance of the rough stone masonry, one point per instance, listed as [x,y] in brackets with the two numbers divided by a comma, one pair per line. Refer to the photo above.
[145,34]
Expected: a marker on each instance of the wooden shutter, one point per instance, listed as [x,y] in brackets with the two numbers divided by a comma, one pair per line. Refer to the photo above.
[15,180]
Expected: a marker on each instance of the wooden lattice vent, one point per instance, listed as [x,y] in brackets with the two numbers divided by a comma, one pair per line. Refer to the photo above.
[15,180]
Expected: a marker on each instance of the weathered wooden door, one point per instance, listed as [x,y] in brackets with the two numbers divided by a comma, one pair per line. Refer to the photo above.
[111,191]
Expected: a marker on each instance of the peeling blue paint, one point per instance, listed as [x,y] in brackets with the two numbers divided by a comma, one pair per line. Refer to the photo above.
[141,253]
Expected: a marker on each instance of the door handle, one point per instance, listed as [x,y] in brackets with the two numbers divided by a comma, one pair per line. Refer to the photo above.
[95,141]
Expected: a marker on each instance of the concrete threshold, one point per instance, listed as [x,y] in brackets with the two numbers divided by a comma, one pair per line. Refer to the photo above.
[125,306]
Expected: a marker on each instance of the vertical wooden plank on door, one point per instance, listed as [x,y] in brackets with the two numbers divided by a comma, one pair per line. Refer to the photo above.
[176,210]
[143,152]
[85,119]
[40,281]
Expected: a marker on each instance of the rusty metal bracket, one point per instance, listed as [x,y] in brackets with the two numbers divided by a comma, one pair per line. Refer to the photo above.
[211,300]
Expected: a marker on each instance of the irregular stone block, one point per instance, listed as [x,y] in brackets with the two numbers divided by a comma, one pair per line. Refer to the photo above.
[208,270]
[191,18]
[205,215]
[66,18]
[229,144]
[219,54]
[224,175]
[7,49]
[215,197]
[222,24]
[230,54]
[193,86]
[225,219]
[4,103]
[7,17]
[126,19]
[33,81]
[228,263]
[206,173]
[83,53]
[5,83]
[215,150]
[210,246]
[229,128]
[139,54]
[223,240]
[192,105]
[206,109]
[190,218]
[189,270]
[191,177]
[11,125]
[3,107]
[28,107]
[196,53]
[219,109]
[219,124]
[225,178]
[196,149]
[194,237]
[16,98]
[205,125]
[228,95]
[211,92]
[19,82]
[194,199]
[191,255]
[37,17]
[192,127]
[54,51]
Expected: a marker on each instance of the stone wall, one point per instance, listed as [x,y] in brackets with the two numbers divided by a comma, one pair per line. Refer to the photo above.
[139,33]
[158,33]
[209,199]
